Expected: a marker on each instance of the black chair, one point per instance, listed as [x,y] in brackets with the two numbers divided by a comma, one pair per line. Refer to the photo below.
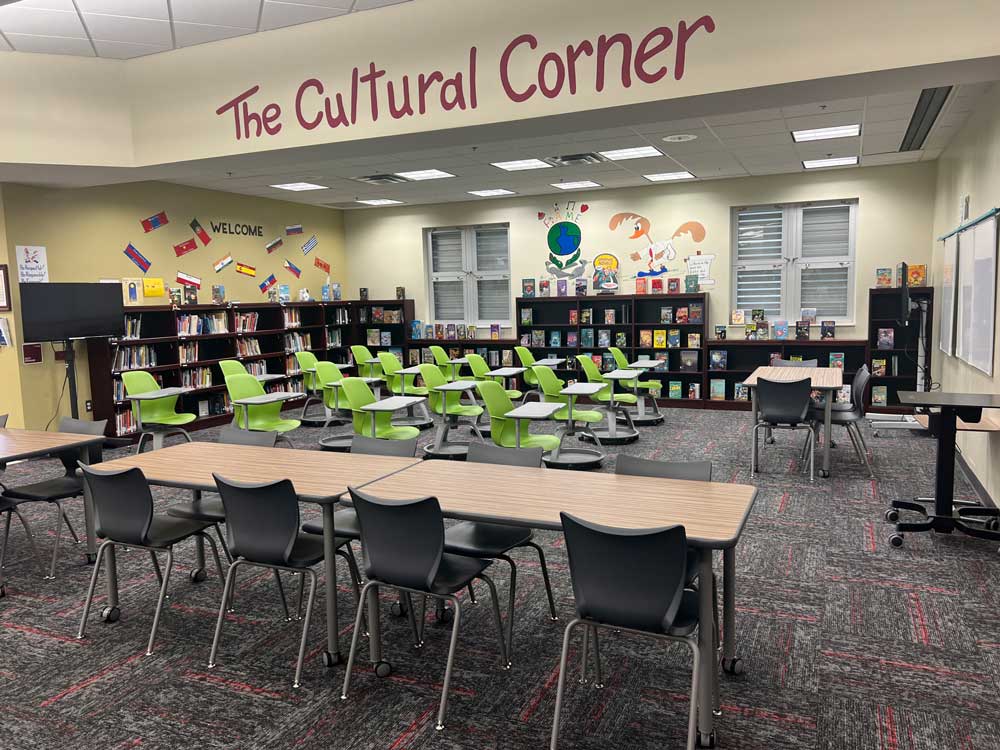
[124,517]
[404,550]
[262,521]
[850,415]
[630,580]
[56,490]
[784,406]
[495,541]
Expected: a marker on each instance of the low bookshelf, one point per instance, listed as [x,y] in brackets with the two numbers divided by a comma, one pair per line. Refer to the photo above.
[383,325]
[496,352]
[894,364]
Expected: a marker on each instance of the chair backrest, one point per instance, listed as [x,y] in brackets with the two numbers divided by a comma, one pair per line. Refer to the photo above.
[307,361]
[620,359]
[440,355]
[81,427]
[232,367]
[794,362]
[358,394]
[235,436]
[858,387]
[525,356]
[433,378]
[243,386]
[549,383]
[390,367]
[123,504]
[361,355]
[497,404]
[262,520]
[783,402]
[632,578]
[328,372]
[478,366]
[700,471]
[590,369]
[374,447]
[403,539]
[484,453]
[139,381]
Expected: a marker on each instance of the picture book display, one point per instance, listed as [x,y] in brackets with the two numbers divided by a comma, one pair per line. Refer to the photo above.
[741,392]
[808,314]
[604,338]
[720,333]
[673,338]
[660,338]
[673,285]
[718,359]
[827,329]
[666,315]
[717,389]
[574,316]
[757,314]
[878,368]
[763,330]
[780,330]
[694,341]
[586,337]
[880,395]
[750,331]
[802,330]
[675,389]
[645,338]
[561,288]
[656,286]
[527,287]
[837,360]
[696,313]
[883,278]
[621,340]
[543,288]
[581,287]
[681,315]
[694,390]
[737,318]
[640,285]
[886,338]
[689,360]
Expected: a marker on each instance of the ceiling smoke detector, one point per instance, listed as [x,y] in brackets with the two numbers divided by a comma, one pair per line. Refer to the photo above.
[680,138]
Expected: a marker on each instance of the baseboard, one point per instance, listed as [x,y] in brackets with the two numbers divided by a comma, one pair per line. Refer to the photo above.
[977,486]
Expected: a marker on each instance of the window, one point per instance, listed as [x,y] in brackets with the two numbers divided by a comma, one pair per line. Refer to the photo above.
[793,256]
[468,273]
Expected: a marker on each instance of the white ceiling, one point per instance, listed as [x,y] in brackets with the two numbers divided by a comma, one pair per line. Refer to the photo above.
[740,144]
[122,29]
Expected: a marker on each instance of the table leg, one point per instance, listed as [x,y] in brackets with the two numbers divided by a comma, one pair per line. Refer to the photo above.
[827,433]
[517,433]
[640,401]
[729,660]
[332,654]
[708,666]
[944,481]
[88,513]
[754,454]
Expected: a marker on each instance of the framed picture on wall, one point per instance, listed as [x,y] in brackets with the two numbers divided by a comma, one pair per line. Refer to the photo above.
[4,289]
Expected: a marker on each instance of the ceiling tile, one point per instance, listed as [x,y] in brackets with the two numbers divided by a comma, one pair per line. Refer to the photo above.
[835,147]
[931,153]
[15,19]
[125,29]
[670,126]
[939,137]
[188,34]
[828,120]
[133,8]
[240,13]
[66,5]
[370,4]
[766,139]
[4,46]
[880,144]
[127,50]
[743,129]
[900,157]
[757,115]
[885,127]
[51,45]
[894,112]
[277,15]
[900,98]
[344,5]
[823,108]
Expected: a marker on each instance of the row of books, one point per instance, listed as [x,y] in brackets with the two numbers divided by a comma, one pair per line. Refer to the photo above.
[386,315]
[118,387]
[741,392]
[293,317]
[246,321]
[667,338]
[135,357]
[187,352]
[334,337]
[585,337]
[718,359]
[125,422]
[196,325]
[884,367]
[297,342]
[693,314]
[257,367]
[494,357]
[375,337]
[449,331]
[292,385]
[916,274]
[196,377]
[643,285]
[675,389]
[248,347]
[341,315]
[133,327]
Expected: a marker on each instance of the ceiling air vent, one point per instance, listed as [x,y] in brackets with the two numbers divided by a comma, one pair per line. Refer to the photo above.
[929,106]
[574,160]
[382,179]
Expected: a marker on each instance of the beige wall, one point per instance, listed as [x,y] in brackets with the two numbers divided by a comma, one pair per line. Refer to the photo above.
[85,232]
[970,166]
[894,222]
[10,376]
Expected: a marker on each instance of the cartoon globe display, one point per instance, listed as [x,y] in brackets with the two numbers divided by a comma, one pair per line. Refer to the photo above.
[564,238]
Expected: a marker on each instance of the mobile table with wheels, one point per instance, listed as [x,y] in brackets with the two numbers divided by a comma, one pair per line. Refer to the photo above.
[615,434]
[574,457]
[641,416]
[412,419]
[306,420]
[343,442]
[533,411]
[442,447]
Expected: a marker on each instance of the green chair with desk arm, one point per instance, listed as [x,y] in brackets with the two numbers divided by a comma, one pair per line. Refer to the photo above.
[448,406]
[159,414]
[504,430]
[480,372]
[358,394]
[257,417]
[404,385]
[442,361]
[361,355]
[620,400]
[551,387]
[527,360]
[307,361]
[654,387]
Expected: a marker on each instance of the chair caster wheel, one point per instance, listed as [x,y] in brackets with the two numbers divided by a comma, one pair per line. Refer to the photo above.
[706,740]
[91,559]
[198,575]
[892,515]
[331,660]
[824,473]
[993,524]
[444,616]
[769,441]
[383,669]
[110,614]
[896,540]
[397,610]
[733,666]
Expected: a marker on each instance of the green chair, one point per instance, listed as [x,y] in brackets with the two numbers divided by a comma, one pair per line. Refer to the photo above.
[157,417]
[404,385]
[572,457]
[652,386]
[259,417]
[611,434]
[361,355]
[307,361]
[442,360]
[449,407]
[232,367]
[504,430]
[358,394]
[527,360]
[480,369]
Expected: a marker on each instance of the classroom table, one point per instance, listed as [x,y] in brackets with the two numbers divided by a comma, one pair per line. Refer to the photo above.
[614,434]
[319,477]
[274,397]
[713,514]
[456,366]
[826,379]
[391,404]
[550,361]
[532,411]
[17,445]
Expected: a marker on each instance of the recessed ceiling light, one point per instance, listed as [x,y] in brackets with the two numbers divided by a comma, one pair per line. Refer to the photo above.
[578,185]
[521,164]
[425,174]
[491,193]
[823,134]
[297,186]
[680,138]
[380,202]
[639,152]
[669,176]
[840,161]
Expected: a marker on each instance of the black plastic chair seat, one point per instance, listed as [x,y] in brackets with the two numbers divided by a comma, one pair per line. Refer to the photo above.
[484,539]
[839,414]
[210,511]
[7,504]
[344,521]
[308,550]
[166,530]
[686,620]
[58,488]
[455,572]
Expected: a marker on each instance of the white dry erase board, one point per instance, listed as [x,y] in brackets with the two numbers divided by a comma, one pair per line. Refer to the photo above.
[946,339]
[976,294]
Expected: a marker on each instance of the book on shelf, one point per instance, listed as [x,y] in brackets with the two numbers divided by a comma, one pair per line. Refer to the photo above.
[176,297]
[802,330]
[597,360]
[666,315]
[645,338]
[720,333]
[880,395]
[609,317]
[808,314]
[691,283]
[507,357]
[527,287]
[574,316]
[416,329]
[660,338]
[284,293]
[673,338]
[561,287]
[581,287]
[572,339]
[878,368]
[439,331]
[773,359]
[413,357]
[689,360]
[656,286]
[694,390]
[780,332]
[681,316]
[741,392]
[537,338]
[372,337]
[544,288]
[363,294]
[640,285]
[675,389]
[673,285]
[555,339]
[493,358]
[750,331]
[694,341]
[525,339]
[827,329]
[470,331]
[218,294]
[696,313]
[190,295]
[883,278]
[916,274]
[737,318]
[494,331]
[324,293]
[608,362]
[718,359]
[662,361]
[586,316]
[795,358]
[378,314]
[763,330]
[450,332]
[604,337]
[843,396]
[586,337]
[336,291]
[886,338]
[621,339]
[837,360]
[717,389]
[461,331]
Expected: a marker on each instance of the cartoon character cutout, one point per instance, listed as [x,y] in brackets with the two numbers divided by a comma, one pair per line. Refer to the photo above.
[606,273]
[655,254]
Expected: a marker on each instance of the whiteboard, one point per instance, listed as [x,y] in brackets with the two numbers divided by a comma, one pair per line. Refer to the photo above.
[946,339]
[977,277]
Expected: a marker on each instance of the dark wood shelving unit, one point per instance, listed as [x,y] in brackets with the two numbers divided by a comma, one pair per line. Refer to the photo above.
[883,311]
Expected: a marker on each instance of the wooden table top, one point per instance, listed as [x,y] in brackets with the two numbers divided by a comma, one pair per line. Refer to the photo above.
[18,444]
[318,476]
[822,378]
[713,513]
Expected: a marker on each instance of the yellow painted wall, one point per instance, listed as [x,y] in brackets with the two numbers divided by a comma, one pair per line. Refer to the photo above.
[970,165]
[86,231]
[894,222]
[10,376]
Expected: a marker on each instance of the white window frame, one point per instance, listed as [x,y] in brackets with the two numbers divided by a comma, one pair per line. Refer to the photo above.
[469,275]
[792,263]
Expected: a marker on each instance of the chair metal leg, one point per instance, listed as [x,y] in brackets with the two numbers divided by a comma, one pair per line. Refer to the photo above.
[348,555]
[753,449]
[511,597]
[27,531]
[159,601]
[6,537]
[55,546]
[156,567]
[504,653]
[222,544]
[226,594]
[855,430]
[90,589]
[443,710]
[281,591]
[411,616]
[598,673]
[472,594]
[545,577]
[584,653]
[305,625]
[215,553]
[554,742]
[354,640]
[812,456]
[69,525]
[695,684]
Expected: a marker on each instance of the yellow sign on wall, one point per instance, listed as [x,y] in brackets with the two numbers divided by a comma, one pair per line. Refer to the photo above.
[152,287]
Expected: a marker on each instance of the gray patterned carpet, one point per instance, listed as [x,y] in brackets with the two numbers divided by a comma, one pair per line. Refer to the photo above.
[848,642]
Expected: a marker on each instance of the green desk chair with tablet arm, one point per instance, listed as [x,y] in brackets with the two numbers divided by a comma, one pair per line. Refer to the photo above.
[448,405]
[442,361]
[258,417]
[594,376]
[390,369]
[326,373]
[358,394]
[361,355]
[307,361]
[654,387]
[479,372]
[157,417]
[232,367]
[504,430]
[527,360]
[551,387]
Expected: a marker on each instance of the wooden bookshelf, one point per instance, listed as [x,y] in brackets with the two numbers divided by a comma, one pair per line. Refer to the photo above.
[492,350]
[901,372]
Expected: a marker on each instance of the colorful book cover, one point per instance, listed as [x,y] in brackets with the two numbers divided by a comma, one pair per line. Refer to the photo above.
[694,340]
[773,359]
[717,389]
[756,314]
[336,291]
[666,315]
[880,395]
[574,316]
[561,287]
[696,312]
[525,339]
[795,358]
[451,332]
[218,294]
[621,339]
[674,338]
[363,294]
[661,361]
[720,333]
[373,338]
[571,338]
[527,287]
[878,368]
[597,360]
[507,357]
[689,360]
[827,329]
[750,331]
[691,283]
[645,338]
[462,331]
[176,296]
[694,390]
[802,330]
[190,295]
[555,339]
[416,328]
[675,389]
[718,359]
[673,286]
[737,317]
[886,338]
[656,286]
[581,287]
[608,362]
[640,285]
[586,316]
[837,360]
[780,330]
[378,315]
[916,275]
[741,392]
[284,293]
[586,337]
[843,396]
[609,317]
[660,338]
[682,315]
[439,331]
[526,316]
[883,278]
[763,330]
[544,288]
[808,314]
[537,338]
[604,337]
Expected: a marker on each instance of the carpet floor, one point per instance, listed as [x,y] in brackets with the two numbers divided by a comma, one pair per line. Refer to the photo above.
[848,642]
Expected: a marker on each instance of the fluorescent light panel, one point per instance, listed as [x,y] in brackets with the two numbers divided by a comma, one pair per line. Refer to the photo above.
[578,185]
[424,174]
[840,161]
[492,193]
[520,165]
[639,152]
[669,176]
[381,202]
[299,186]
[824,134]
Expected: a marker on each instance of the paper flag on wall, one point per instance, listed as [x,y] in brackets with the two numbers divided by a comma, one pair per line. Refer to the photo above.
[274,244]
[138,258]
[223,262]
[154,222]
[293,269]
[310,244]
[185,247]
[267,283]
[293,229]
[245,269]
[188,280]
[321,264]
[204,236]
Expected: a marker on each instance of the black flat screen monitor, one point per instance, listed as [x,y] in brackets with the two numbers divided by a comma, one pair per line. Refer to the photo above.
[56,312]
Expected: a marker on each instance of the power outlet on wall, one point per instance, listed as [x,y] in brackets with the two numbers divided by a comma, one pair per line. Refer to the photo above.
[88,405]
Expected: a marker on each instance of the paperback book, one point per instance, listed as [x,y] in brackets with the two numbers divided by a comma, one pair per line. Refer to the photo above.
[586,337]
[561,288]
[696,312]
[609,317]
[717,389]
[837,360]
[750,331]
[581,287]
[737,317]
[720,333]
[527,287]
[689,360]
[673,285]
[574,316]
[883,278]
[694,340]
[808,314]
[694,390]
[571,338]
[660,338]
[586,316]
[645,338]
[537,339]
[757,314]
[691,285]
[780,330]
[666,315]
[802,330]
[763,330]
[682,315]
[741,392]
[555,339]
[878,368]
[526,316]
[674,338]
[718,359]
[640,285]
[880,395]
[604,337]
[827,329]
[621,339]
[544,287]
[675,389]
[886,338]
